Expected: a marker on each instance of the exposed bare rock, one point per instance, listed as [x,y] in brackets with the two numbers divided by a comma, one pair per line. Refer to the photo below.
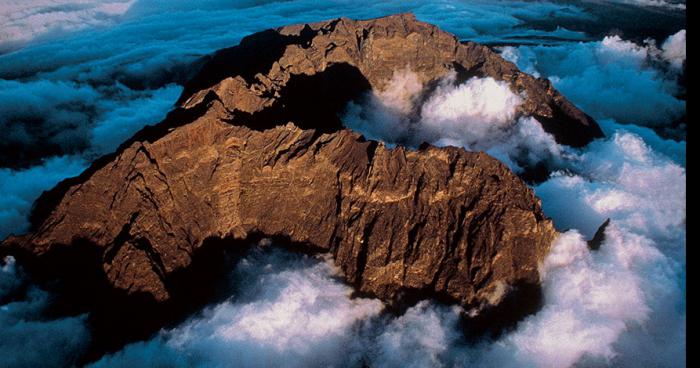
[599,236]
[436,220]
[257,150]
[252,76]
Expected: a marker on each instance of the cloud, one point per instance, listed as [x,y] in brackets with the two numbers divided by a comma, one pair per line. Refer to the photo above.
[122,119]
[655,3]
[479,115]
[22,21]
[621,178]
[674,49]
[475,110]
[592,299]
[78,81]
[20,188]
[28,338]
[605,78]
[291,311]
[624,305]
[43,116]
[617,301]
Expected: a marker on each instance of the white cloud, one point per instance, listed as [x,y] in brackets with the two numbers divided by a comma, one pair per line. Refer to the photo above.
[22,21]
[606,78]
[591,299]
[655,3]
[291,311]
[674,49]
[422,337]
[474,111]
[479,114]
[622,178]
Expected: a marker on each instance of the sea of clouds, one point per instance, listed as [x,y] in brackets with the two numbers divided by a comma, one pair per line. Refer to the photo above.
[116,66]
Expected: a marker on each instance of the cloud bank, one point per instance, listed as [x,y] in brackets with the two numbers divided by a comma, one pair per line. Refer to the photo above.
[22,21]
[678,4]
[612,78]
[291,311]
[20,188]
[29,339]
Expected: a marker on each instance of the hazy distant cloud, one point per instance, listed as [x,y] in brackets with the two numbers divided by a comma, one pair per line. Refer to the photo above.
[22,21]
[673,4]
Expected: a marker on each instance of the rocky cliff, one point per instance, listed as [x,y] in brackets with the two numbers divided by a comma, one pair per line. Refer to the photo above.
[256,149]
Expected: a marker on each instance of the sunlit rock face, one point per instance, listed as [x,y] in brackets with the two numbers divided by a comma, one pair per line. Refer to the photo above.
[256,150]
[255,75]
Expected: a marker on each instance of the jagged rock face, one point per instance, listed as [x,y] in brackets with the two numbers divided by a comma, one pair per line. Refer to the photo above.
[436,220]
[253,76]
[256,149]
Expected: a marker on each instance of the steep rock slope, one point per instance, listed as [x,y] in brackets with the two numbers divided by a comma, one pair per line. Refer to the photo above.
[256,149]
[259,74]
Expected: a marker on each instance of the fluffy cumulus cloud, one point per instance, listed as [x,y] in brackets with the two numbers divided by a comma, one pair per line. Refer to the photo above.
[291,311]
[593,299]
[480,114]
[78,96]
[474,110]
[674,49]
[610,303]
[613,78]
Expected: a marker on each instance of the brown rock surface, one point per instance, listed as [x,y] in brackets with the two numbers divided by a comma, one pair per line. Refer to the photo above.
[256,149]
[252,76]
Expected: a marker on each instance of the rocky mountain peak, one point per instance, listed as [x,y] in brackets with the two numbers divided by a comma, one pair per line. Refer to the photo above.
[256,149]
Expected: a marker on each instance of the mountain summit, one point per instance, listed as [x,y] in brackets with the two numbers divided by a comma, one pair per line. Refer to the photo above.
[256,149]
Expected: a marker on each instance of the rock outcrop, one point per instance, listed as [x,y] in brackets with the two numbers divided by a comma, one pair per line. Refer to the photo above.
[256,149]
[262,74]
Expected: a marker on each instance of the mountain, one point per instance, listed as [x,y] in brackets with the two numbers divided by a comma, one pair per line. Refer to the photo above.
[256,150]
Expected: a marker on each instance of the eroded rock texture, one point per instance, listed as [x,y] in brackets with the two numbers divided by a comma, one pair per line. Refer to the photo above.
[256,149]
[263,72]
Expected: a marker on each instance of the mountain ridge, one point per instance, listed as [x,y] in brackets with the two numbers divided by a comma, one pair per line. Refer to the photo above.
[250,154]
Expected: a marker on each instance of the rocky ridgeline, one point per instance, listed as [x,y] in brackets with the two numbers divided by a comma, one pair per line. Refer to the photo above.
[256,150]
